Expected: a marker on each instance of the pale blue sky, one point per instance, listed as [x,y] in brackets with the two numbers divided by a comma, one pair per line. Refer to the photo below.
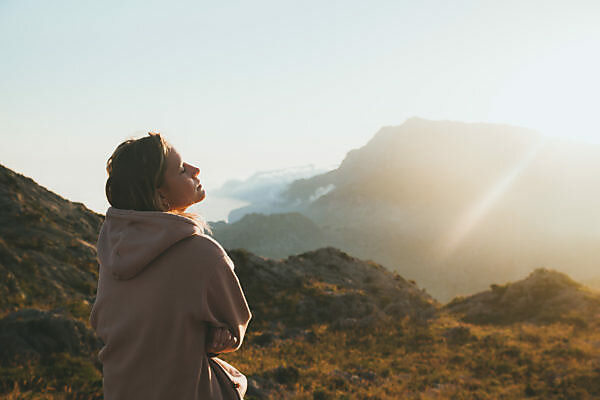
[240,87]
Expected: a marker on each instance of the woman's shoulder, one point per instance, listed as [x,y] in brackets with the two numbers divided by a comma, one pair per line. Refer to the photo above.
[204,246]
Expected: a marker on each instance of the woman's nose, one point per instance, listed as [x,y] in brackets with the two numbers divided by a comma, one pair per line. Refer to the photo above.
[196,171]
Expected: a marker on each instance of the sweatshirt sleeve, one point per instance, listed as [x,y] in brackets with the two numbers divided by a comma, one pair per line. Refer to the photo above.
[225,304]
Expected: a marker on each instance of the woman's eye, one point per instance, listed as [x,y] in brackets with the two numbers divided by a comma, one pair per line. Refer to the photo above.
[183,170]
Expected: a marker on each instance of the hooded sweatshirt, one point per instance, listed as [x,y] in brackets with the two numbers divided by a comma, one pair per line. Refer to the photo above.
[162,286]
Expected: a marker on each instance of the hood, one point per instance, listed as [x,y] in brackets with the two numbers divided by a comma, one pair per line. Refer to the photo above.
[129,240]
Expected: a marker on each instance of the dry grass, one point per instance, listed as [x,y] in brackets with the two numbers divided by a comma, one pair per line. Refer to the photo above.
[392,360]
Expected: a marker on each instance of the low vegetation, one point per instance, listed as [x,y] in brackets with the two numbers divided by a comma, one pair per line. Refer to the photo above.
[440,359]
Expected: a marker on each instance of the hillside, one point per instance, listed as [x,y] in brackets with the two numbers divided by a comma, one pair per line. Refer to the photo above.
[47,248]
[545,296]
[539,340]
[326,286]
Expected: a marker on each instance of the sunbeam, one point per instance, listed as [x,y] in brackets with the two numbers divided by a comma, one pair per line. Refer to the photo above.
[477,211]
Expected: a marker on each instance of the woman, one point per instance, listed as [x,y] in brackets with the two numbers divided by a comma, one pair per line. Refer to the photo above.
[168,299]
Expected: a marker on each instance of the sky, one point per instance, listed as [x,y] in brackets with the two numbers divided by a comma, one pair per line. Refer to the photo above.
[239,87]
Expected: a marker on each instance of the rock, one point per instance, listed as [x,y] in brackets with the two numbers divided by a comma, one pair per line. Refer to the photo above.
[31,334]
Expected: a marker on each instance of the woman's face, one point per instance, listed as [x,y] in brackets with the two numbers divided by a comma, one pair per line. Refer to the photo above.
[181,187]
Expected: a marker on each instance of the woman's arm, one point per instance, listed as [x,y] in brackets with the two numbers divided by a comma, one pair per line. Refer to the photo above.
[224,307]
[220,340]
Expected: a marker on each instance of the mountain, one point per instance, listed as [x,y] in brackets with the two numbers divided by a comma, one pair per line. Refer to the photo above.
[456,206]
[274,235]
[545,296]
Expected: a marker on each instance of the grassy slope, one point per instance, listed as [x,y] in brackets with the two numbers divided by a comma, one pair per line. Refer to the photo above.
[442,360]
[391,359]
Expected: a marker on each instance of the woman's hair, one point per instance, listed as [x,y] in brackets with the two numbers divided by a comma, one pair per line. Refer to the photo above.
[135,170]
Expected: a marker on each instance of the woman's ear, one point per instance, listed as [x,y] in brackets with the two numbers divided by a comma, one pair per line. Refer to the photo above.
[161,197]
